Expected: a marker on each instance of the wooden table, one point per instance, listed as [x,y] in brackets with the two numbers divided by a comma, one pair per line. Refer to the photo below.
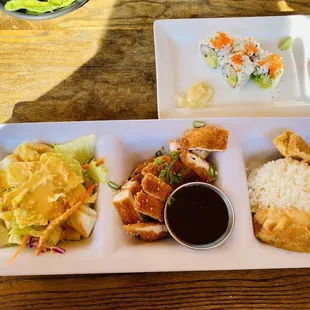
[98,63]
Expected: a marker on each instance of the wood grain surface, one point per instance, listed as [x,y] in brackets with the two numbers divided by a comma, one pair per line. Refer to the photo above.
[98,63]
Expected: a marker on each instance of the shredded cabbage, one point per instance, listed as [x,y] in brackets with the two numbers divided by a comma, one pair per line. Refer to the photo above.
[97,173]
[82,149]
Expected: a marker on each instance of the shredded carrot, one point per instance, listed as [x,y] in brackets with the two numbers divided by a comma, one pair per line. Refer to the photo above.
[99,162]
[18,251]
[59,220]
[87,185]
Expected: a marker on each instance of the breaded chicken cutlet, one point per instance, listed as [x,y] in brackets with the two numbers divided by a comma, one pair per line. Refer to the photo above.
[124,203]
[147,231]
[208,138]
[142,198]
[198,165]
[156,188]
[149,206]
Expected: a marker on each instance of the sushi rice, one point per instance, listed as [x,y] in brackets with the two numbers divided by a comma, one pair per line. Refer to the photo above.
[237,69]
[217,48]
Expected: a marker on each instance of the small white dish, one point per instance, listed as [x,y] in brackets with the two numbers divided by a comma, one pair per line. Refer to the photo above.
[179,65]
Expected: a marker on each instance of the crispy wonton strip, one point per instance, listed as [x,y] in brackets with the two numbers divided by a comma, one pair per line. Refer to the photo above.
[59,220]
[20,248]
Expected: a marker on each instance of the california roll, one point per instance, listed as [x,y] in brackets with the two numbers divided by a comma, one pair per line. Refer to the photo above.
[237,69]
[216,48]
[248,46]
[268,69]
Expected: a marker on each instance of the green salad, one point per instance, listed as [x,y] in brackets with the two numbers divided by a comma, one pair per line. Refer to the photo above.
[37,6]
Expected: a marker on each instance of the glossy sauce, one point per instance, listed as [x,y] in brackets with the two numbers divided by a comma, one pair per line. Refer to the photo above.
[198,215]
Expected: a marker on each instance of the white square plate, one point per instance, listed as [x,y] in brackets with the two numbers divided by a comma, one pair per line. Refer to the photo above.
[124,144]
[179,65]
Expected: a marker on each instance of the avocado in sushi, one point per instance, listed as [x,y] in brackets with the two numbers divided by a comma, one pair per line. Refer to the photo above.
[237,69]
[268,69]
[212,59]
[216,48]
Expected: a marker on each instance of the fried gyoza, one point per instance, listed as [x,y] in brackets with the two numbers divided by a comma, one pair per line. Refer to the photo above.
[290,144]
[283,228]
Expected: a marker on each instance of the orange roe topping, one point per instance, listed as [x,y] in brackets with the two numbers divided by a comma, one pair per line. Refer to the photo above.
[251,49]
[221,40]
[237,59]
[275,64]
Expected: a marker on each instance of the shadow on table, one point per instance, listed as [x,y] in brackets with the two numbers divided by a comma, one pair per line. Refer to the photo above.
[119,82]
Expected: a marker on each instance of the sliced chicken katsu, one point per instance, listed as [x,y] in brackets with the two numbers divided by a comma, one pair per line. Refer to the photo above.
[155,187]
[147,231]
[208,139]
[157,165]
[198,165]
[175,146]
[133,186]
[149,206]
[124,203]
[137,175]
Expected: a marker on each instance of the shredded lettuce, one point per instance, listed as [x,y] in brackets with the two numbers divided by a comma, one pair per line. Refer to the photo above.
[68,159]
[16,233]
[37,6]
[4,237]
[82,149]
[99,173]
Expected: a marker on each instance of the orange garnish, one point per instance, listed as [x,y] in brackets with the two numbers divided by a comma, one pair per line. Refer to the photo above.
[275,64]
[18,251]
[251,48]
[221,40]
[237,59]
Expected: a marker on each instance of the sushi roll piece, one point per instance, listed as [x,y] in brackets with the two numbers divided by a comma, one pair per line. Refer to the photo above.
[248,46]
[216,48]
[237,69]
[268,69]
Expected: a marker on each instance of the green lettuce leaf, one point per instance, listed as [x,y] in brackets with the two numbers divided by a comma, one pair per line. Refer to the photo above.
[82,149]
[36,6]
[99,173]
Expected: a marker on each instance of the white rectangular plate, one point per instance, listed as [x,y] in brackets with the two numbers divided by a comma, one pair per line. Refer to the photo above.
[179,65]
[124,144]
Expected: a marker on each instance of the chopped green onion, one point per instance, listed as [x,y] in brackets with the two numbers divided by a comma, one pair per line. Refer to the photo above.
[170,201]
[159,153]
[162,174]
[113,185]
[158,161]
[174,155]
[199,124]
[286,43]
[212,171]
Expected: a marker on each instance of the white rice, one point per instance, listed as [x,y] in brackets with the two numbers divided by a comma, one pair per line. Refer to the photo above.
[282,183]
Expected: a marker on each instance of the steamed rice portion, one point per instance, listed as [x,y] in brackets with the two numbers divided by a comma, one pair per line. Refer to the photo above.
[282,183]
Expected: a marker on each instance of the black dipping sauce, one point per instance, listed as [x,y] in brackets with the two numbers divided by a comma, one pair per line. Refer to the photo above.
[198,215]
